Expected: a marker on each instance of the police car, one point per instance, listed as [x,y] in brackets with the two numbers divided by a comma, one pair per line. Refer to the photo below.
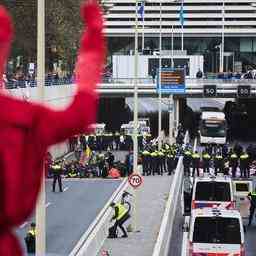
[212,190]
[215,232]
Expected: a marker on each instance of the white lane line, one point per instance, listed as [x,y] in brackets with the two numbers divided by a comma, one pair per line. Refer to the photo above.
[65,189]
[24,224]
[48,204]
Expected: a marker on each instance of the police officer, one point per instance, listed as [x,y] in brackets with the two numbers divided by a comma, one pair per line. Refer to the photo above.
[187,161]
[121,216]
[57,171]
[252,198]
[195,163]
[145,162]
[170,163]
[30,238]
[218,163]
[244,165]
[161,162]
[233,160]
[154,165]
[206,161]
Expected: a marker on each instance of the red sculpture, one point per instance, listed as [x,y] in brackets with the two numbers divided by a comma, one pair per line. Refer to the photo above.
[28,129]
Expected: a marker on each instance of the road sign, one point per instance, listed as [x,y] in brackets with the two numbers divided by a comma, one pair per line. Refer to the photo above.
[243,91]
[171,80]
[210,91]
[135,180]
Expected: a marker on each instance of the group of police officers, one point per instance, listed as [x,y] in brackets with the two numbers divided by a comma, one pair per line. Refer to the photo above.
[221,160]
[156,161]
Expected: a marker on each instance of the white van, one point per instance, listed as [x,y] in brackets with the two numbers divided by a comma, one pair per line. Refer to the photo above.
[209,191]
[215,232]
[241,189]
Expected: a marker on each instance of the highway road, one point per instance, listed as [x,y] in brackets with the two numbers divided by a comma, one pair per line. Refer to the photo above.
[70,213]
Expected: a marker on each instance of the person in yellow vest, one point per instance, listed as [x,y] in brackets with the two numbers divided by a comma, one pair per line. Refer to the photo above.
[30,238]
[206,161]
[252,197]
[195,163]
[121,216]
[244,165]
[57,171]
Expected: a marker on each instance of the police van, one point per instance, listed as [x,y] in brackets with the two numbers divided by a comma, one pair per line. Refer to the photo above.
[212,190]
[241,189]
[216,232]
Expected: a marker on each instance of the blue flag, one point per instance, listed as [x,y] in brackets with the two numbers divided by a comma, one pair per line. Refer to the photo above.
[141,10]
[181,14]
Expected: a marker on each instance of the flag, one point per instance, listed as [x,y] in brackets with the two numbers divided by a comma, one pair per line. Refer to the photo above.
[141,10]
[181,14]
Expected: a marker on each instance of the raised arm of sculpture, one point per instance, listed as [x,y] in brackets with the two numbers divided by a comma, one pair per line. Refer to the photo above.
[28,129]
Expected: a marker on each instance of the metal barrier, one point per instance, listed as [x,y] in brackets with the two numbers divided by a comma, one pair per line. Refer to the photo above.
[163,240]
[93,239]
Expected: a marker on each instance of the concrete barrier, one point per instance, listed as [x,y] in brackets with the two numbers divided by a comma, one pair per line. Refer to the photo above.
[162,244]
[93,239]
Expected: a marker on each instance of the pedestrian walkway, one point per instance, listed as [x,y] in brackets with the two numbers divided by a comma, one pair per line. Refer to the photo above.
[152,198]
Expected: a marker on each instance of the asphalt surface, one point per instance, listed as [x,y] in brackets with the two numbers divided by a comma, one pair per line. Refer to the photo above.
[70,213]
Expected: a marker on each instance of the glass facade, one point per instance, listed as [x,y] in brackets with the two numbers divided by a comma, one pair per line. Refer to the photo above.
[240,52]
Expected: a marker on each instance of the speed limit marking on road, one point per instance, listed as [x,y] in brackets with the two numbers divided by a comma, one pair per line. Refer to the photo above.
[135,180]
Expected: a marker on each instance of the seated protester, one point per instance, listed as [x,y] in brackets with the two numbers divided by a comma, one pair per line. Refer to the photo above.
[72,171]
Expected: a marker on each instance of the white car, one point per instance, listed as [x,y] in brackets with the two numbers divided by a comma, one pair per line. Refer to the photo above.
[209,191]
[215,232]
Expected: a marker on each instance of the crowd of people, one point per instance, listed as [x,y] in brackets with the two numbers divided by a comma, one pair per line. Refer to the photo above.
[107,141]
[221,159]
[249,74]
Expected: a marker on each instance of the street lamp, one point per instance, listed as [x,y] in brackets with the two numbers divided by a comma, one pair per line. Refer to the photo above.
[160,82]
[40,208]
[222,38]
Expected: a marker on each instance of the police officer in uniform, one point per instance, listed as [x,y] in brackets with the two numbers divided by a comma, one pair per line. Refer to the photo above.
[145,162]
[121,216]
[195,163]
[233,160]
[244,165]
[252,198]
[218,163]
[57,171]
[170,163]
[154,164]
[206,161]
[161,162]
[187,161]
[30,239]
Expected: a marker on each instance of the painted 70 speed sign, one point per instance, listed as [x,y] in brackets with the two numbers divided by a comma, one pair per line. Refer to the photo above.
[135,180]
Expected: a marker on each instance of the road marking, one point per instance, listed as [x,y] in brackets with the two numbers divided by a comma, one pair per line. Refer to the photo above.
[48,204]
[65,189]
[24,225]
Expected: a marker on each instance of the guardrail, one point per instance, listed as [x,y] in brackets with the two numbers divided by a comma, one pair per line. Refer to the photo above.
[184,246]
[93,239]
[163,240]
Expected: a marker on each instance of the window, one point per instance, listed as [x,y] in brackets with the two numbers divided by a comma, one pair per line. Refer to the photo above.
[217,230]
[213,129]
[242,187]
[212,191]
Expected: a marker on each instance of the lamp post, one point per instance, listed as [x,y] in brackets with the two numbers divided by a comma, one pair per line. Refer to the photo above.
[160,82]
[40,208]
[135,121]
[222,38]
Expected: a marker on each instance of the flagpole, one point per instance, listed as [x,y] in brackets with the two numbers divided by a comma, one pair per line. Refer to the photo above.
[182,27]
[143,27]
[222,38]
[160,89]
[172,49]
